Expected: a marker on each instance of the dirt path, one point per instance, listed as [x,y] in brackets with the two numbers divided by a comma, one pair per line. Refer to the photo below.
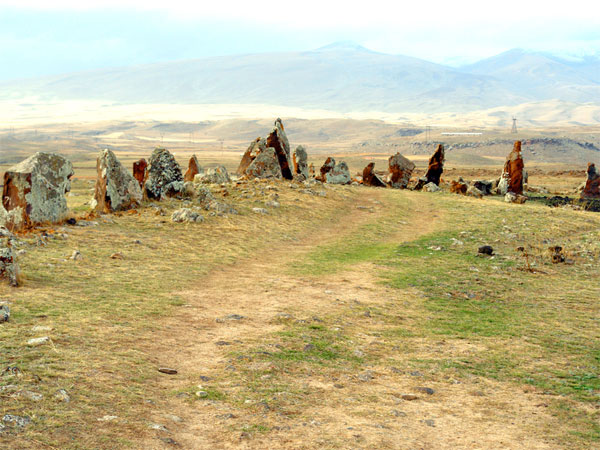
[362,410]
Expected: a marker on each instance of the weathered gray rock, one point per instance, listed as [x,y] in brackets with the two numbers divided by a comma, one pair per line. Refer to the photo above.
[327,167]
[472,191]
[256,148]
[204,196]
[116,189]
[502,188]
[164,176]
[34,191]
[431,187]
[511,197]
[4,313]
[300,163]
[35,342]
[9,268]
[265,165]
[216,175]
[186,215]
[400,171]
[485,187]
[340,174]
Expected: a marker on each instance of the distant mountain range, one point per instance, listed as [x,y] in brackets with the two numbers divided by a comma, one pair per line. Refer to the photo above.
[340,77]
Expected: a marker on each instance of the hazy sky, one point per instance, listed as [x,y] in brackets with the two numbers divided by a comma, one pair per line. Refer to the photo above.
[58,36]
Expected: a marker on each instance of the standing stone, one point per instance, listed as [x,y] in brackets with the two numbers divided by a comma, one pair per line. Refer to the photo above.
[265,165]
[370,178]
[340,174]
[400,171]
[9,268]
[592,185]
[300,163]
[436,166]
[34,190]
[279,141]
[116,189]
[327,166]
[164,176]
[513,171]
[256,147]
[140,171]
[193,169]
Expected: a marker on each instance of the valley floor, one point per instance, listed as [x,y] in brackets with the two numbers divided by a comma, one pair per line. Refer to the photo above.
[348,318]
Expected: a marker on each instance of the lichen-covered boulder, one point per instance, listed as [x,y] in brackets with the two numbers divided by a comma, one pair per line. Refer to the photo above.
[300,158]
[34,190]
[265,165]
[164,176]
[256,148]
[116,189]
[340,174]
[278,140]
[186,215]
[192,170]
[511,197]
[472,191]
[512,174]
[140,171]
[9,268]
[216,175]
[327,166]
[370,178]
[431,187]
[592,185]
[436,166]
[400,171]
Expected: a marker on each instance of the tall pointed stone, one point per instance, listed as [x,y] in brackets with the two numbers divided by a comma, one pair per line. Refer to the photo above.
[513,170]
[436,166]
[140,172]
[279,141]
[164,176]
[300,163]
[370,178]
[192,170]
[592,185]
[400,171]
[116,189]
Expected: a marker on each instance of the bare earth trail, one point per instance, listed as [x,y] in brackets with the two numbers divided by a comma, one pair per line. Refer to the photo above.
[351,412]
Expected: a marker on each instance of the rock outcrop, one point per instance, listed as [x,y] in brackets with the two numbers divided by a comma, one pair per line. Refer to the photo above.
[164,176]
[9,268]
[512,175]
[140,171]
[400,171]
[265,165]
[186,215]
[370,178]
[34,191]
[193,169]
[279,141]
[116,189]
[300,158]
[592,185]
[214,175]
[436,166]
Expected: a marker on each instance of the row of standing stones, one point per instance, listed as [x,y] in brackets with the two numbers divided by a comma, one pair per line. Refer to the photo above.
[34,190]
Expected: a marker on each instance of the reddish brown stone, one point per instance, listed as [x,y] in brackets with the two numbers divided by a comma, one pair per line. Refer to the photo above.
[400,171]
[193,169]
[458,187]
[370,178]
[326,168]
[140,171]
[592,185]
[436,166]
[279,141]
[311,170]
[256,147]
[513,170]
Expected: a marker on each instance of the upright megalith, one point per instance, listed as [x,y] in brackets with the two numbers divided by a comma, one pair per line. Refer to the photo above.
[436,166]
[592,185]
[34,190]
[339,174]
[254,149]
[370,178]
[300,158]
[327,167]
[164,176]
[400,171]
[192,170]
[116,189]
[279,141]
[140,172]
[265,165]
[512,174]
